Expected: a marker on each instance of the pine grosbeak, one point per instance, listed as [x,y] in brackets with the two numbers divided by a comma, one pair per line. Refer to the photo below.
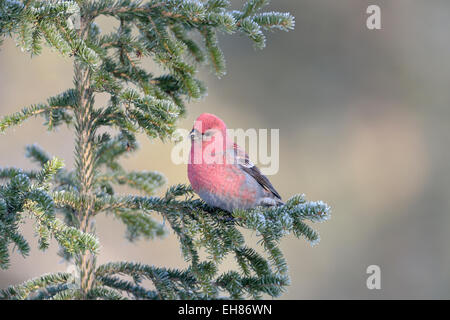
[221,173]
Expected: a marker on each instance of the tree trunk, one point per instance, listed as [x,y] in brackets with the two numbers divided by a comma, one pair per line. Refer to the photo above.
[84,159]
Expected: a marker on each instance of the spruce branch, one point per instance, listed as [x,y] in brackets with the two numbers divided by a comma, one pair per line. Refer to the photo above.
[128,287]
[104,293]
[19,117]
[169,283]
[50,168]
[21,195]
[67,294]
[22,291]
[269,20]
[10,172]
[36,154]
[251,7]
[72,239]
[146,181]
[52,291]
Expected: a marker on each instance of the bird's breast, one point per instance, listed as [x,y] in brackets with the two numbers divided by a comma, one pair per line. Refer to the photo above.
[222,185]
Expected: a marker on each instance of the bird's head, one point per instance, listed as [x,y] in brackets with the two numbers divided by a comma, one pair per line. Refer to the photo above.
[208,129]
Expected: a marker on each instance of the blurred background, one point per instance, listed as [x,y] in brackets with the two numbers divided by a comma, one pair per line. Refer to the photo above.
[364,126]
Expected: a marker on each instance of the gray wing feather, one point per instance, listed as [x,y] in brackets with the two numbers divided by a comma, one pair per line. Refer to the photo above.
[247,166]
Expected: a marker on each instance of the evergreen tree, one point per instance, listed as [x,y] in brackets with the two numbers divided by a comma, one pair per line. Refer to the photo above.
[179,35]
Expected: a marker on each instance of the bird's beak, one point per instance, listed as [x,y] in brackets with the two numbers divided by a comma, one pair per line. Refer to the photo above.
[193,134]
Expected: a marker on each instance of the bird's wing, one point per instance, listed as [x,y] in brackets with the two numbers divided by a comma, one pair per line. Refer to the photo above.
[247,166]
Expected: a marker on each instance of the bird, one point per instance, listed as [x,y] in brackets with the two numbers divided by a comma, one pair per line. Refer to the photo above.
[221,173]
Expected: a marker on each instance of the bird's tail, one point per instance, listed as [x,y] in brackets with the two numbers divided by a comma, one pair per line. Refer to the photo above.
[271,202]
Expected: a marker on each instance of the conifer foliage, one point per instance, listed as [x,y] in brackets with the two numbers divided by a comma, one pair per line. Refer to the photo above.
[179,35]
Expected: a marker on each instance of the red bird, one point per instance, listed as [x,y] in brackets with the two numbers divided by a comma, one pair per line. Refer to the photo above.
[221,173]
